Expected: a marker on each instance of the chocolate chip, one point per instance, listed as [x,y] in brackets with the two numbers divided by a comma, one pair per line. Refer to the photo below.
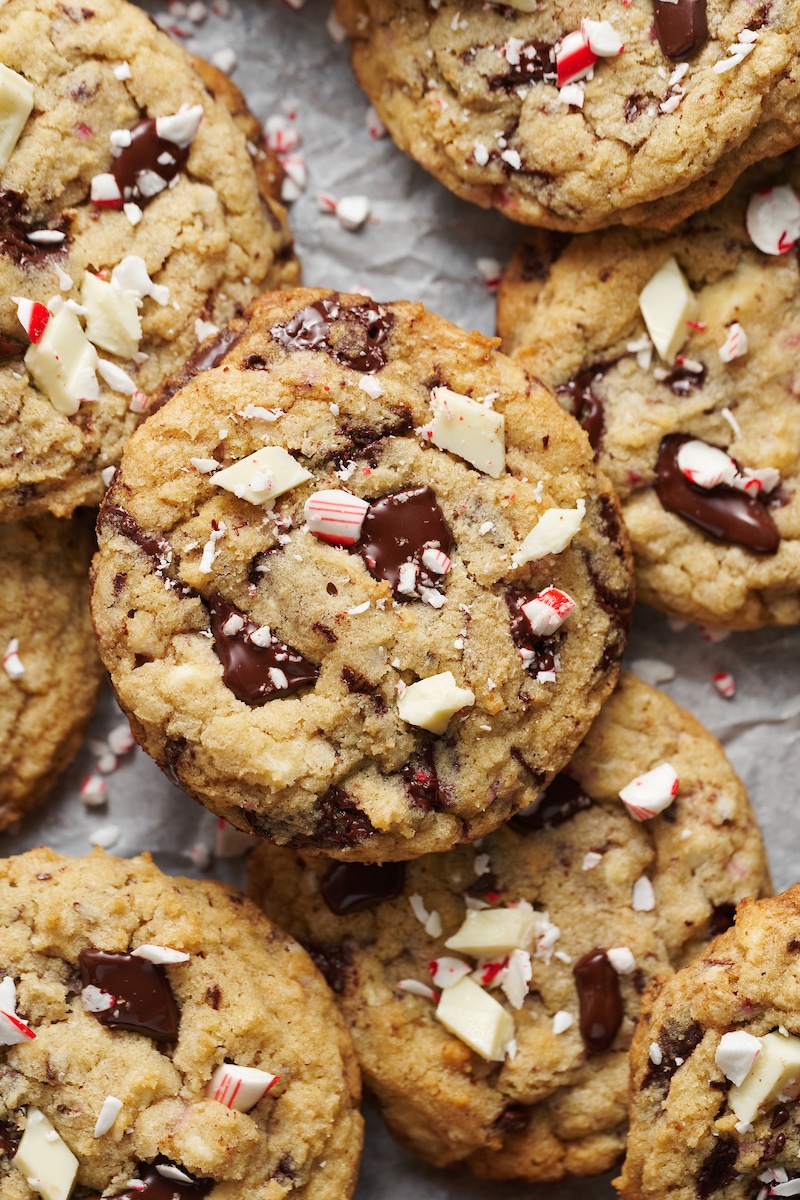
[118,520]
[354,335]
[512,1119]
[340,822]
[143,999]
[397,530]
[535,66]
[334,962]
[584,402]
[148,154]
[352,887]
[255,673]
[599,999]
[422,782]
[674,1042]
[718,1168]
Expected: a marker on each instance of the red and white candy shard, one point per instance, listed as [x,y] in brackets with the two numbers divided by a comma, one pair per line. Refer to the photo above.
[736,1054]
[12,663]
[773,219]
[415,988]
[13,1030]
[649,794]
[159,954]
[436,561]
[33,317]
[445,971]
[735,344]
[336,516]
[517,977]
[704,465]
[548,611]
[239,1087]
[105,191]
[574,58]
[725,684]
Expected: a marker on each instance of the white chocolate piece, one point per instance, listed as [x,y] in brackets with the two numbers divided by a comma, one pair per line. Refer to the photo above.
[112,318]
[446,972]
[470,430]
[63,363]
[486,933]
[239,1087]
[667,303]
[776,1071]
[430,703]
[551,534]
[160,954]
[16,105]
[108,1114]
[44,1159]
[262,476]
[649,794]
[477,1019]
[736,1055]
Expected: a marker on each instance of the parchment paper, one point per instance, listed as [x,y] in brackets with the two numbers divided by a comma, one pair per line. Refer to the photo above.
[423,245]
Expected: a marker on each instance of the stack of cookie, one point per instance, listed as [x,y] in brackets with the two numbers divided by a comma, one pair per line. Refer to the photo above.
[363,588]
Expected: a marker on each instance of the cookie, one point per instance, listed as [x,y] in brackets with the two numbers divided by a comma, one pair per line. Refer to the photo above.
[168,1034]
[714,1067]
[562,917]
[573,116]
[131,227]
[51,673]
[351,637]
[571,312]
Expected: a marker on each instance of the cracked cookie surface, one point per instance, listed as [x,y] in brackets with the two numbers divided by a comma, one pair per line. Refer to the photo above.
[569,312]
[559,1106]
[209,238]
[189,574]
[242,993]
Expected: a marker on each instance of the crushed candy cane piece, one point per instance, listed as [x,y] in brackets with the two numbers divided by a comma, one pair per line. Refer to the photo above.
[735,344]
[602,37]
[621,959]
[12,663]
[415,988]
[171,1171]
[180,128]
[548,611]
[33,317]
[445,971]
[551,534]
[106,836]
[653,670]
[93,791]
[490,271]
[130,276]
[562,1021]
[239,1087]
[667,303]
[773,219]
[108,1114]
[737,52]
[160,954]
[725,684]
[120,739]
[655,1054]
[574,58]
[95,999]
[649,794]
[431,921]
[336,516]
[704,465]
[230,842]
[352,212]
[13,1030]
[516,977]
[210,550]
[643,898]
[572,94]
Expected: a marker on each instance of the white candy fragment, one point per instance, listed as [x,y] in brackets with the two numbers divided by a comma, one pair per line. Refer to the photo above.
[181,128]
[490,932]
[621,959]
[431,921]
[446,972]
[603,39]
[737,52]
[352,212]
[44,1160]
[477,1019]
[117,379]
[430,703]
[548,611]
[551,534]
[13,1030]
[653,670]
[132,277]
[336,516]
[736,1054]
[705,465]
[471,430]
[649,794]
[63,363]
[160,954]
[415,988]
[776,1073]
[106,836]
[562,1021]
[516,977]
[735,344]
[643,898]
[262,476]
[773,219]
[95,999]
[108,1114]
[655,1054]
[239,1087]
[170,1171]
[667,303]
[12,663]
[16,105]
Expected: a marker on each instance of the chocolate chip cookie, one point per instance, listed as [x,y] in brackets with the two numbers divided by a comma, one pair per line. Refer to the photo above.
[160,1038]
[360,586]
[717,1057]
[51,673]
[576,116]
[718,545]
[131,228]
[492,992]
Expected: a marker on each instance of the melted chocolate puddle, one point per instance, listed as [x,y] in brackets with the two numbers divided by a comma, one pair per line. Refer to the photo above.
[398,529]
[352,887]
[682,28]
[599,999]
[158,1187]
[543,649]
[422,782]
[353,335]
[724,513]
[584,402]
[255,673]
[143,999]
[534,66]
[148,154]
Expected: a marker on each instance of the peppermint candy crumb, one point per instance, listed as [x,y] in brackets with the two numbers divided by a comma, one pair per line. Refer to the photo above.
[12,664]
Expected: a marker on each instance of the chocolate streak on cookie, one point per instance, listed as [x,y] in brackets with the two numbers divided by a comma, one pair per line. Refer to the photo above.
[422,781]
[675,1044]
[599,1000]
[147,153]
[354,335]
[397,530]
[252,672]
[561,800]
[584,402]
[205,357]
[718,1168]
[143,999]
[535,66]
[158,1187]
[334,962]
[352,887]
[682,27]
[119,520]
[724,513]
[14,233]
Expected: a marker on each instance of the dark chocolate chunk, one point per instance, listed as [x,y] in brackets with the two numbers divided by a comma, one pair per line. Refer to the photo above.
[148,159]
[718,1168]
[543,649]
[10,1138]
[334,962]
[682,27]
[143,999]
[681,380]
[725,513]
[772,1148]
[421,780]
[10,349]
[780,1116]
[599,999]
[14,231]
[485,885]
[561,800]
[205,357]
[512,1119]
[352,887]
[722,918]
[398,529]
[159,1187]
[584,402]
[535,66]
[256,673]
[354,335]
[340,822]
[674,1042]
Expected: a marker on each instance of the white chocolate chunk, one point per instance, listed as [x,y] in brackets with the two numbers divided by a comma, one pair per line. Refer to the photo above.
[493,931]
[16,105]
[477,1019]
[667,303]
[239,1087]
[108,1114]
[112,317]
[776,1071]
[472,431]
[551,534]
[44,1159]
[63,363]
[430,703]
[736,1055]
[262,476]
[160,954]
